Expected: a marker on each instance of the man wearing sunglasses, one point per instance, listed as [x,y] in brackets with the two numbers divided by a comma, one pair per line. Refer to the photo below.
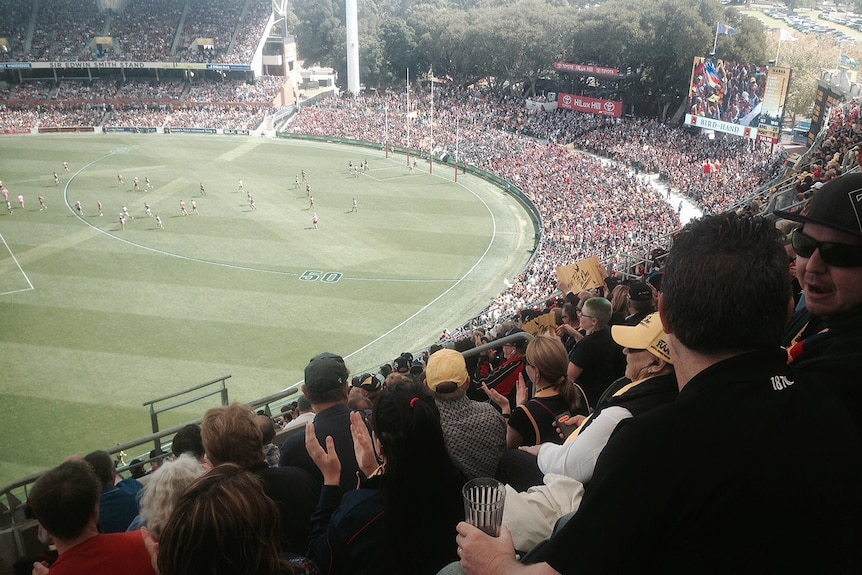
[824,338]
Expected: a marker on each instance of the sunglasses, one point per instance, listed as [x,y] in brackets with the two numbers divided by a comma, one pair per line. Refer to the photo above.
[832,253]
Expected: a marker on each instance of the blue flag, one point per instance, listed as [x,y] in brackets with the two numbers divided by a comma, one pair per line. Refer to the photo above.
[725,30]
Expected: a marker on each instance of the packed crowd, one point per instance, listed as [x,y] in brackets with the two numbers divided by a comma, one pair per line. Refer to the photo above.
[229,103]
[66,30]
[263,89]
[525,452]
[588,207]
[169,116]
[14,15]
[145,31]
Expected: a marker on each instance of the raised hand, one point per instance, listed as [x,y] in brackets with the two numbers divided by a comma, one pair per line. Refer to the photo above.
[362,445]
[326,459]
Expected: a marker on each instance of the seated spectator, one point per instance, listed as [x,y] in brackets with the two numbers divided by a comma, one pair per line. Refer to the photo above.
[118,503]
[225,523]
[163,489]
[368,385]
[271,452]
[401,518]
[619,304]
[824,337]
[561,471]
[230,435]
[596,361]
[570,328]
[640,303]
[188,440]
[326,387]
[357,402]
[305,415]
[475,432]
[533,420]
[504,378]
[683,489]
[65,501]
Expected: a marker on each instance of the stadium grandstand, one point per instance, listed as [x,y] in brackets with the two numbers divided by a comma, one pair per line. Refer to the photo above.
[208,67]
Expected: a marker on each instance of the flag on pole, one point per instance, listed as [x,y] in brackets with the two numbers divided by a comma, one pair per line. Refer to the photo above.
[848,61]
[785,36]
[725,30]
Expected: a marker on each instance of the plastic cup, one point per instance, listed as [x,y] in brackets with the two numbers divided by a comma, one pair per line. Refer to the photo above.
[483,504]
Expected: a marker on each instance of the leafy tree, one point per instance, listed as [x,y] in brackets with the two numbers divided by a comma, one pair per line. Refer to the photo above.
[319,30]
[794,4]
[399,45]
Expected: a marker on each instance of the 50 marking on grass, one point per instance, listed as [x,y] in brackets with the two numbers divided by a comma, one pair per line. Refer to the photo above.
[325,277]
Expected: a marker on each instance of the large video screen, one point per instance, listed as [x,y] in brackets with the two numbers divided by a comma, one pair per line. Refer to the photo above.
[737,98]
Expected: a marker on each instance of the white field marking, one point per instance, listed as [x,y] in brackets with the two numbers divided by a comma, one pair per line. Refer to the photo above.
[453,286]
[455,281]
[23,273]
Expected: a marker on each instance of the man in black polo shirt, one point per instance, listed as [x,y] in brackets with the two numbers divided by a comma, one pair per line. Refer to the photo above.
[746,472]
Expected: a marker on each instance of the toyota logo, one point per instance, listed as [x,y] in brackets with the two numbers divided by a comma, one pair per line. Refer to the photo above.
[567,100]
[609,106]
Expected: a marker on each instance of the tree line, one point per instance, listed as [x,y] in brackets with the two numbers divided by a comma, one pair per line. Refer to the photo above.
[512,45]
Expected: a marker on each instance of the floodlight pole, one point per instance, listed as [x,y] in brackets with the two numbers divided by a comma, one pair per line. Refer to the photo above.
[352,45]
[431,145]
[457,135]
[407,117]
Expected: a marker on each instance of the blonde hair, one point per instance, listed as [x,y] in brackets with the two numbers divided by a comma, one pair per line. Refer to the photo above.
[619,299]
[548,355]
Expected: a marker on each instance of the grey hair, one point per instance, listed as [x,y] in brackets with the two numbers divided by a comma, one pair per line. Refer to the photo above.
[164,488]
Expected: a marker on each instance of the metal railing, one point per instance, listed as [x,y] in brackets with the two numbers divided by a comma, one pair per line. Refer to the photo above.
[16,537]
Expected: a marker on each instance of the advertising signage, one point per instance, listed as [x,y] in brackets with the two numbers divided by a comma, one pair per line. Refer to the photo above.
[587,105]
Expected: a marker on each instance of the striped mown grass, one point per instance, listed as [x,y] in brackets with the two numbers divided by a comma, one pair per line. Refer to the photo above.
[95,320]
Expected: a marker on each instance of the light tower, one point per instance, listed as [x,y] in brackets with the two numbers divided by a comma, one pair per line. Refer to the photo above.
[352,46]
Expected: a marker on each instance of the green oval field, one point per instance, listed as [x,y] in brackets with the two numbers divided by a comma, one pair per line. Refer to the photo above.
[96,319]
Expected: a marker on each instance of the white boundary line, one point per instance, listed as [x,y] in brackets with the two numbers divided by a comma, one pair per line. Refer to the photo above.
[233,266]
[263,270]
[453,286]
[23,273]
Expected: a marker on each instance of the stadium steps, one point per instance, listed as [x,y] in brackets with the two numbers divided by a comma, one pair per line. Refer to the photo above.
[31,27]
[179,33]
